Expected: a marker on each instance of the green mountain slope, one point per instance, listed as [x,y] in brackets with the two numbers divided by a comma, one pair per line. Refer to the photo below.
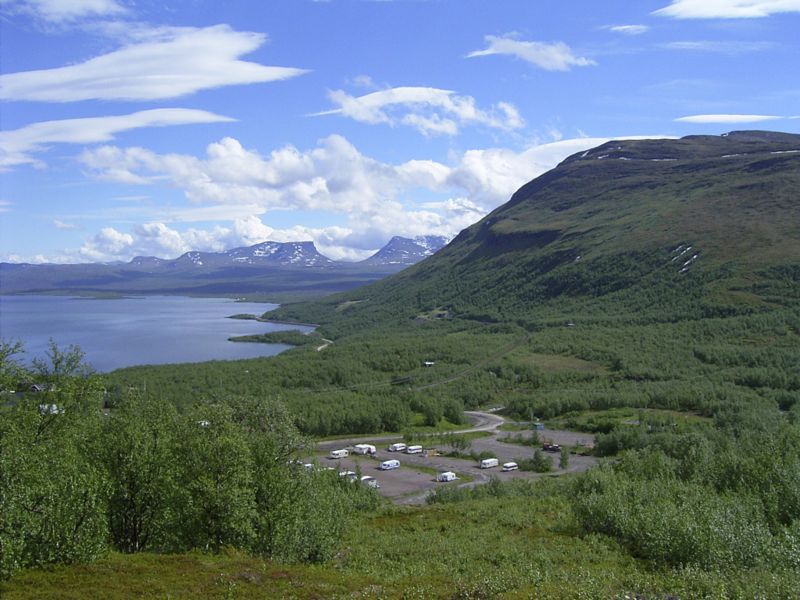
[698,226]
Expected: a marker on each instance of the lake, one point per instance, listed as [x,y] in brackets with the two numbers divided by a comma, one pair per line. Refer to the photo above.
[124,332]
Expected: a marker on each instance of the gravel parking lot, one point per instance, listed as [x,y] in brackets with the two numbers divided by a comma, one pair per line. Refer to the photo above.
[416,476]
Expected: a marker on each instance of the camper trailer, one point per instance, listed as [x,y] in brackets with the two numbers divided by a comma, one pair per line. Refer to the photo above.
[388,465]
[398,447]
[364,449]
[339,454]
[510,466]
[446,476]
[488,463]
[414,450]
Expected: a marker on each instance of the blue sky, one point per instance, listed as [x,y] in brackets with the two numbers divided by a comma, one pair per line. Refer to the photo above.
[151,128]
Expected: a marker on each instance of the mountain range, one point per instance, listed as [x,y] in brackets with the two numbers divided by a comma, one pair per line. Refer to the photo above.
[267,267]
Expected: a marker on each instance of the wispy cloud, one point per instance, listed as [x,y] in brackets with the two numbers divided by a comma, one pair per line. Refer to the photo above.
[59,224]
[19,145]
[58,11]
[550,57]
[727,9]
[629,29]
[5,206]
[431,111]
[723,118]
[173,62]
[719,46]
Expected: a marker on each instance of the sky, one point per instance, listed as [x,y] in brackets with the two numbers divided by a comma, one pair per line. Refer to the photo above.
[136,127]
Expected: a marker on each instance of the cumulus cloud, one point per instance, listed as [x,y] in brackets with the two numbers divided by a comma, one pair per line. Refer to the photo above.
[375,199]
[431,111]
[107,243]
[629,29]
[550,57]
[168,63]
[18,146]
[727,9]
[65,10]
[722,118]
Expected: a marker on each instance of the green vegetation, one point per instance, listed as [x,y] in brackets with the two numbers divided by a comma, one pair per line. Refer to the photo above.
[291,337]
[573,303]
[75,482]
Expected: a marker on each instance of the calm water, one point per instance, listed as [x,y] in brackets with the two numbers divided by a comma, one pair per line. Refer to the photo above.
[136,331]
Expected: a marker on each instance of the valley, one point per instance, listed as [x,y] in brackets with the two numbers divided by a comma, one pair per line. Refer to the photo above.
[644,311]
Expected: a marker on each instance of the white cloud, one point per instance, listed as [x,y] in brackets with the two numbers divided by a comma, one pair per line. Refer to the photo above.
[629,29]
[727,9]
[58,224]
[5,206]
[719,46]
[65,10]
[728,118]
[235,185]
[429,110]
[171,62]
[550,57]
[108,243]
[18,146]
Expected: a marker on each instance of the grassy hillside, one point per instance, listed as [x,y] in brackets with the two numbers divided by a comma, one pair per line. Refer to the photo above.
[606,233]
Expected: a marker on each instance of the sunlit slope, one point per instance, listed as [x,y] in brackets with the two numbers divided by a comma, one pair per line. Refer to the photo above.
[702,225]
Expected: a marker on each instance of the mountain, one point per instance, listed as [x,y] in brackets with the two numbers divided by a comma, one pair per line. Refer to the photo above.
[406,251]
[700,225]
[264,268]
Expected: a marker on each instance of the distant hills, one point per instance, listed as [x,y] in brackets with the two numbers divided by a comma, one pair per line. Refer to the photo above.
[671,229]
[295,268]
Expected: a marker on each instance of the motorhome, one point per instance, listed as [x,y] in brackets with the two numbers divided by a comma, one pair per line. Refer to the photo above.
[510,466]
[388,465]
[370,481]
[398,447]
[350,475]
[446,476]
[339,454]
[414,450]
[488,463]
[364,449]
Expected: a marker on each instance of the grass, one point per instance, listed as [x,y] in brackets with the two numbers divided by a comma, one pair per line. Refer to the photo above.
[595,420]
[522,544]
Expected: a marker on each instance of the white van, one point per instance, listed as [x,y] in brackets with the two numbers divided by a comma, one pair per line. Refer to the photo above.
[364,449]
[339,454]
[388,465]
[414,450]
[398,447]
[446,476]
[510,466]
[488,463]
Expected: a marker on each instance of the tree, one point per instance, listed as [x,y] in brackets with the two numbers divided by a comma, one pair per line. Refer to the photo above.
[52,489]
[563,461]
[215,504]
[139,451]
